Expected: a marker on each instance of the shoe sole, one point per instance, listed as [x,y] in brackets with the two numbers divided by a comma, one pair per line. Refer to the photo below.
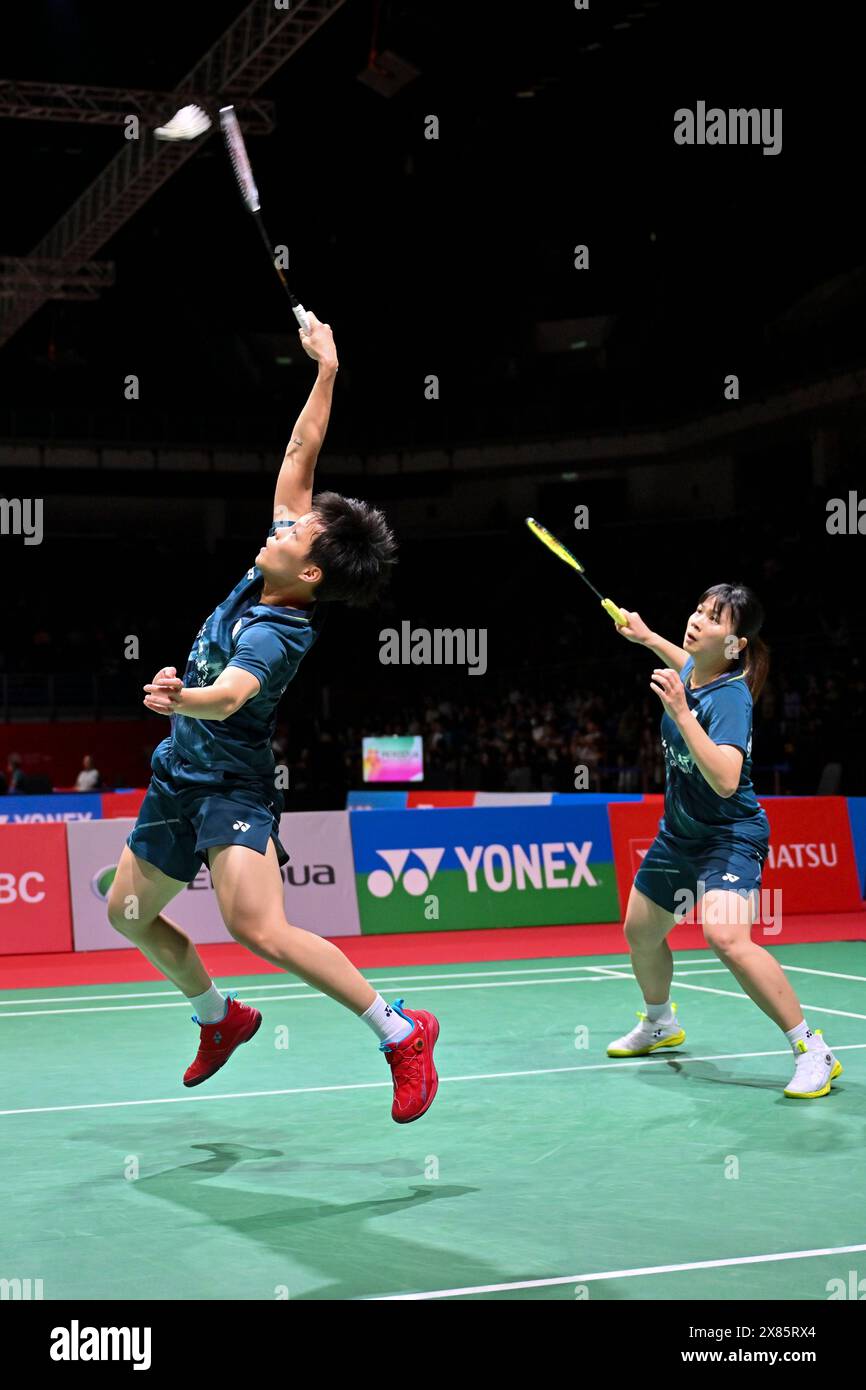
[251,1034]
[432,1096]
[676,1040]
[814,1095]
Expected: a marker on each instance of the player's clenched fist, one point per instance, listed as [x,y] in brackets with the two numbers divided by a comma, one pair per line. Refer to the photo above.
[163,693]
[635,629]
[319,343]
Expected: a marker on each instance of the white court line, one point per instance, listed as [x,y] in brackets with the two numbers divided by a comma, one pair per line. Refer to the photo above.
[620,1274]
[399,979]
[732,994]
[631,1062]
[601,972]
[292,998]
[830,974]
[299,984]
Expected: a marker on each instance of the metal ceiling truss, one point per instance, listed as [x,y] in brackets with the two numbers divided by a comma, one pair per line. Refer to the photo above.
[77,104]
[262,38]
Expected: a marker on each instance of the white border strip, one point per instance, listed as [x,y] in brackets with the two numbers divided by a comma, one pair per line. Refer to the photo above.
[630,1062]
[618,1274]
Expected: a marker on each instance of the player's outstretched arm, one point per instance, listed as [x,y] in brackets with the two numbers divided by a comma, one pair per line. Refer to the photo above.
[294,491]
[637,631]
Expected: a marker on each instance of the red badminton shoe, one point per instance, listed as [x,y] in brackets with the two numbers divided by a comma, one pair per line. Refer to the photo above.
[219,1040]
[411,1061]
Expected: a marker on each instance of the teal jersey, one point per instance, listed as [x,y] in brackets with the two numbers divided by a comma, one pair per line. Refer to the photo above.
[693,811]
[267,641]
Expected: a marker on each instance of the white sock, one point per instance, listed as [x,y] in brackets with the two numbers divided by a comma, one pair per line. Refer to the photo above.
[659,1013]
[210,1007]
[386,1022]
[802,1033]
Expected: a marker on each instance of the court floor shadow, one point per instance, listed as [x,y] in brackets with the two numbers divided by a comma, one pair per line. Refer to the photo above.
[353,1257]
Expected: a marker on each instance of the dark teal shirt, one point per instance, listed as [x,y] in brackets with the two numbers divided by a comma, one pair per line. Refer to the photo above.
[693,810]
[267,641]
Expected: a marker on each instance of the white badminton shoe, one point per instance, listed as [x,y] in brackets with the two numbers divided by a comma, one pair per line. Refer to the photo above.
[648,1037]
[189,122]
[816,1068]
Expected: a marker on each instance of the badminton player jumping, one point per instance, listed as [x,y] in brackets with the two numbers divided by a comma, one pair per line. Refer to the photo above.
[714,836]
[212,797]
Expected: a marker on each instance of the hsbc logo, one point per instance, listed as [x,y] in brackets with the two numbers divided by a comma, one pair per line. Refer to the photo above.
[803,856]
[26,888]
[554,864]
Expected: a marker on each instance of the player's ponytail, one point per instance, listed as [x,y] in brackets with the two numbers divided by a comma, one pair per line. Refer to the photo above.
[747,617]
[757,665]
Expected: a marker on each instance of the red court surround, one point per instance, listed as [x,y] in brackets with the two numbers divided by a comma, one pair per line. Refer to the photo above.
[420,948]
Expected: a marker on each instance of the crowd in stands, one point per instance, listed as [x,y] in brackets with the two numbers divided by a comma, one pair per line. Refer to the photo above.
[806,739]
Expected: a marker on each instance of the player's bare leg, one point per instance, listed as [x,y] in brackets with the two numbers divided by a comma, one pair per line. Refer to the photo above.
[646,929]
[138,894]
[250,894]
[727,921]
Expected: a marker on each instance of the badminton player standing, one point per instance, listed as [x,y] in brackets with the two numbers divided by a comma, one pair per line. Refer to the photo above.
[714,836]
[212,797]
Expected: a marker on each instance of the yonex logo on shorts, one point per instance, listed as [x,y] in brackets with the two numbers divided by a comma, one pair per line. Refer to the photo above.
[240,825]
[730,878]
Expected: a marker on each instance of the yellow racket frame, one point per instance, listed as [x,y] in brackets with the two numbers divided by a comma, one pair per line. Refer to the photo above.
[559,549]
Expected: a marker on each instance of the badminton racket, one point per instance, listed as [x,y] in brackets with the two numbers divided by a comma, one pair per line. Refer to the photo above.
[559,549]
[249,192]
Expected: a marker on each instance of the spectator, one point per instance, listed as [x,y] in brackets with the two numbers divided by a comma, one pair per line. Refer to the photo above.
[16,773]
[88,779]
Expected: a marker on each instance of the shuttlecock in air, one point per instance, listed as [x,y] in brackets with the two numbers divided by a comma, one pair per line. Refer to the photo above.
[189,122]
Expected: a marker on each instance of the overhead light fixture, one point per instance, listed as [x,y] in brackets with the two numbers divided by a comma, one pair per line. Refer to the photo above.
[580,343]
[387,73]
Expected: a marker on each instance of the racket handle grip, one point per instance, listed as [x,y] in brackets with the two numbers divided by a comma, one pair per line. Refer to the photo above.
[300,314]
[616,613]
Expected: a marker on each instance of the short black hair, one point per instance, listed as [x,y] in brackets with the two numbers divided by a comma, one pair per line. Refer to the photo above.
[355,550]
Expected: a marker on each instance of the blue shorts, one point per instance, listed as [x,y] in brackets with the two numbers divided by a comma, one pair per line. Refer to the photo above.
[184,814]
[672,864]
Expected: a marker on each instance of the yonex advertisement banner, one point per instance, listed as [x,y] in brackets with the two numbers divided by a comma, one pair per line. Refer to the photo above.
[811,860]
[375,800]
[55,808]
[318,882]
[499,867]
[857,817]
[34,890]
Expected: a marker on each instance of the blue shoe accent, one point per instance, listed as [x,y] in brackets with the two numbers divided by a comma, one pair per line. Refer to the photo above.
[396,1006]
[233,994]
